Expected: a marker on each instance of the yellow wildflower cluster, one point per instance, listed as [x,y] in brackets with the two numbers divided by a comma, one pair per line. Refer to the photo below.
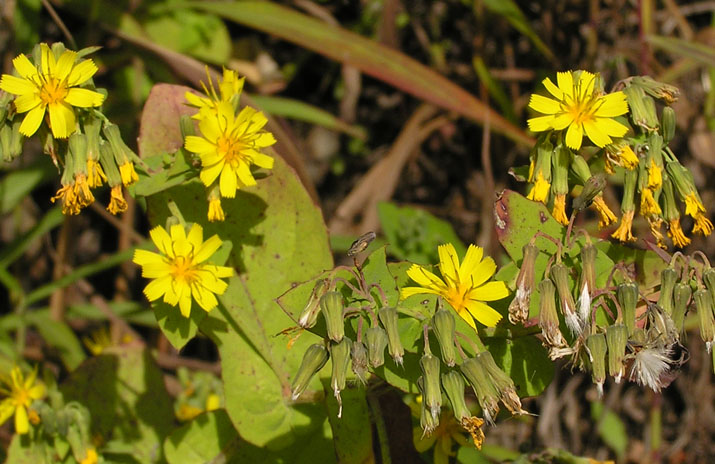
[231,141]
[652,175]
[18,394]
[56,88]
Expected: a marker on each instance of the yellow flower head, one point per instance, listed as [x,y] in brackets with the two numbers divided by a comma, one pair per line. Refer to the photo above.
[654,222]
[621,154]
[578,106]
[229,87]
[655,176]
[95,174]
[70,203]
[128,174]
[675,232]
[19,394]
[228,147]
[215,210]
[91,457]
[464,287]
[623,233]
[117,203]
[81,191]
[559,211]
[98,341]
[648,204]
[52,86]
[540,189]
[179,270]
[605,215]
[702,225]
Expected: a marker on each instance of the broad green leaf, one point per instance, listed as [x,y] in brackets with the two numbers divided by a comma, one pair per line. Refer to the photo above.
[370,57]
[352,433]
[525,360]
[17,184]
[210,437]
[125,394]
[24,451]
[414,234]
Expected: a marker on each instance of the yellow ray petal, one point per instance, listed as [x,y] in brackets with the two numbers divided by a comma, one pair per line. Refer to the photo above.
[490,291]
[483,313]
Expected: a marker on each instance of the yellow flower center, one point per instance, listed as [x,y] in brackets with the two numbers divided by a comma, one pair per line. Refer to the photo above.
[182,268]
[231,148]
[22,398]
[457,295]
[53,91]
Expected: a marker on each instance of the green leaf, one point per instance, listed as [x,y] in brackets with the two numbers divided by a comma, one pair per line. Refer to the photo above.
[370,57]
[611,428]
[210,437]
[352,433]
[525,360]
[17,184]
[58,335]
[125,394]
[25,451]
[512,13]
[414,234]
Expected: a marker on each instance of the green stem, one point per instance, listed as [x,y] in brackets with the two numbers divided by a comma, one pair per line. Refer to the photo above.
[381,428]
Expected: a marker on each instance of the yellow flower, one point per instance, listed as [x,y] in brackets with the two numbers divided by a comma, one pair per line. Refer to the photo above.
[82,192]
[448,433]
[91,457]
[229,87]
[648,204]
[655,176]
[621,154]
[465,286]
[95,174]
[654,222]
[540,190]
[559,211]
[128,174]
[605,215]
[213,402]
[623,233]
[215,210]
[19,393]
[117,203]
[229,146]
[695,209]
[97,341]
[70,204]
[51,87]
[702,225]
[675,232]
[179,271]
[580,108]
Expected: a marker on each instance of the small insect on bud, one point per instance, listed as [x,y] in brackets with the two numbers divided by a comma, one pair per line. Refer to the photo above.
[588,282]
[667,124]
[704,305]
[443,325]
[627,295]
[502,382]
[429,364]
[361,244]
[681,298]
[388,317]
[559,275]
[428,422]
[549,319]
[596,344]
[668,276]
[340,354]
[519,307]
[309,315]
[453,384]
[616,340]
[314,359]
[483,387]
[591,189]
[331,305]
[358,353]
[376,338]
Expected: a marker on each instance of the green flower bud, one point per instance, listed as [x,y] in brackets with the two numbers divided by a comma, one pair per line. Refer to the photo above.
[443,325]
[376,338]
[665,92]
[548,318]
[358,353]
[709,281]
[596,344]
[629,190]
[519,306]
[331,305]
[560,170]
[627,295]
[78,151]
[667,124]
[122,153]
[429,365]
[681,298]
[186,125]
[616,339]
[580,168]
[593,186]
[642,108]
[428,422]
[388,317]
[704,305]
[309,315]
[453,384]
[502,382]
[483,387]
[314,359]
[11,140]
[340,354]
[109,165]
[668,276]
[559,276]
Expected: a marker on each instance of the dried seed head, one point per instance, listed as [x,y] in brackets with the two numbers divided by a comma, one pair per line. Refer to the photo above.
[311,309]
[331,305]
[483,387]
[473,425]
[627,294]
[649,365]
[429,365]
[596,344]
[340,354]
[616,339]
[548,318]
[681,298]
[376,339]
[314,359]
[588,282]
[519,306]
[559,276]
[388,317]
[443,325]
[453,384]
[502,382]
[358,353]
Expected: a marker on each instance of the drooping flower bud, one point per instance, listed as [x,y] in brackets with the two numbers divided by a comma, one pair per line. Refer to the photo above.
[666,92]
[331,305]
[668,276]
[429,364]
[519,306]
[123,155]
[560,185]
[704,305]
[592,188]
[388,317]
[309,315]
[549,319]
[443,325]
[588,282]
[616,339]
[428,422]
[340,354]
[667,125]
[359,357]
[483,387]
[314,359]
[642,108]
[596,344]
[559,276]
[453,384]
[540,176]
[502,382]
[376,339]
[624,232]
[627,295]
[681,298]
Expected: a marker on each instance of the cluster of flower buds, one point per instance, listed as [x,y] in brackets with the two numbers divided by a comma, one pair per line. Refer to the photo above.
[653,178]
[56,89]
